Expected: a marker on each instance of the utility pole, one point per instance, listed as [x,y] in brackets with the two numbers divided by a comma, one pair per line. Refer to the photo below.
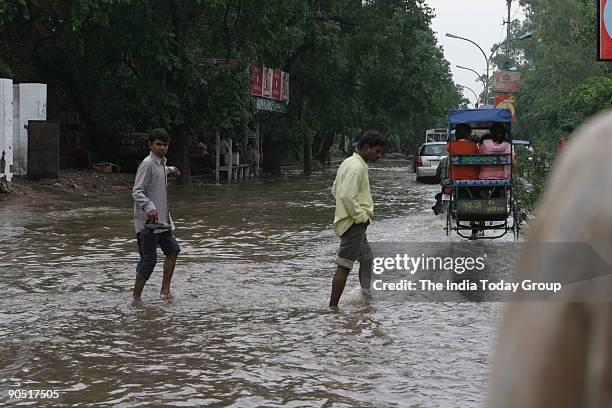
[508,33]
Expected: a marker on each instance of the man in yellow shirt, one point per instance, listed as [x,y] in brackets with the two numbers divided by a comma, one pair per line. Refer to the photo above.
[354,210]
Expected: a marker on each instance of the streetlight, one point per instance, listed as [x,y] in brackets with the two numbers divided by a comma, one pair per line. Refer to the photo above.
[475,95]
[488,60]
[480,78]
[474,71]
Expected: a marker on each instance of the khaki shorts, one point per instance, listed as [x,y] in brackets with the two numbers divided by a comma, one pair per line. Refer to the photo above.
[354,246]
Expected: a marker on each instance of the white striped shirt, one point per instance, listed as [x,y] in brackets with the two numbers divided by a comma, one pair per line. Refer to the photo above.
[151,191]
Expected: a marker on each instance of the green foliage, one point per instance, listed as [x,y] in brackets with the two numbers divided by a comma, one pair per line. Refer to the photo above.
[129,64]
[563,84]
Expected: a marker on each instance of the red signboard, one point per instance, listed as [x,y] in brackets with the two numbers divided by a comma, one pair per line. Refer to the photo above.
[267,82]
[270,83]
[506,81]
[604,30]
[276,84]
[257,80]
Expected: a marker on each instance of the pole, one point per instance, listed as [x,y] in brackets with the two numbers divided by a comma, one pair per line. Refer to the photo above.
[508,32]
[217,153]
[486,101]
[474,92]
[257,145]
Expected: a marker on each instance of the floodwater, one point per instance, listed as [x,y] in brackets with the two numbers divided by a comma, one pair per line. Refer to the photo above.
[249,325]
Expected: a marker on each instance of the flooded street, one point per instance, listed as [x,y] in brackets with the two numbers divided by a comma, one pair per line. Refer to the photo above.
[249,325]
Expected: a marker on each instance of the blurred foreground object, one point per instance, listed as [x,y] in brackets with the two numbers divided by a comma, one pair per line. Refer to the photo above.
[558,353]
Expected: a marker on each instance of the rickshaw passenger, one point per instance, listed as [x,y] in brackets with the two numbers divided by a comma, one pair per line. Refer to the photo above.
[462,145]
[496,145]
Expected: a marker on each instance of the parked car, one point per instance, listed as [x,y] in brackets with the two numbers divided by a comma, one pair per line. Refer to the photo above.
[427,159]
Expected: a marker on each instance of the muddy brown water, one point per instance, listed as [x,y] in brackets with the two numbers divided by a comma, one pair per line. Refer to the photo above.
[249,325]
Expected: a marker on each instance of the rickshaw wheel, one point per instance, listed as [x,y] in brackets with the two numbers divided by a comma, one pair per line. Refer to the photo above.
[515,222]
[448,219]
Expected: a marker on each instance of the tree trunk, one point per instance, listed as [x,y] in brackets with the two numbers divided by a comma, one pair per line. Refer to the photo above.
[271,157]
[180,153]
[307,152]
[322,155]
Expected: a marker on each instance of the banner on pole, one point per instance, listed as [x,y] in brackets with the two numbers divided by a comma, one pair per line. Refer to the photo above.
[506,102]
[506,81]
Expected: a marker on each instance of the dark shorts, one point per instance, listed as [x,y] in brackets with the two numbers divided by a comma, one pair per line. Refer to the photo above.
[147,247]
[354,246]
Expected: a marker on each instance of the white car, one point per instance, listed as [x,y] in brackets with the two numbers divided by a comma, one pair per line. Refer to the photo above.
[427,159]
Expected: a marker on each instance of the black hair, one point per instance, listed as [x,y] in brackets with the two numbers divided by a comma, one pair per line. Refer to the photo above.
[159,134]
[371,138]
[498,132]
[462,131]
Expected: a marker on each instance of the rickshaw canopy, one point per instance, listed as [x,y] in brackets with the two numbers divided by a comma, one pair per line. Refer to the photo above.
[480,118]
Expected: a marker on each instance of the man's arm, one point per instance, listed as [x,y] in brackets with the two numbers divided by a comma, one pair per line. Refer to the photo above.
[143,177]
[347,193]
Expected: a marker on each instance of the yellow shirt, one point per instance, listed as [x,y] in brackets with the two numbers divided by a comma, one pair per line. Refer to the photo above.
[351,190]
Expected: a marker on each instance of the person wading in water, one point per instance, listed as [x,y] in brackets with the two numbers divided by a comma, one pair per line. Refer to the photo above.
[354,210]
[152,219]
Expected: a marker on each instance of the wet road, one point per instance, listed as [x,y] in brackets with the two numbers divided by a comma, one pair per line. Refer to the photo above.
[249,325]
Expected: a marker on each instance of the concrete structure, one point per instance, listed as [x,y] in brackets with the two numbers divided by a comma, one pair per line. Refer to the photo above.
[29,103]
[6,129]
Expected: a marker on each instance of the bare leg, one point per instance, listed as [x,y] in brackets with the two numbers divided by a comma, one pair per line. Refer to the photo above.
[365,273]
[338,284]
[138,286]
[169,264]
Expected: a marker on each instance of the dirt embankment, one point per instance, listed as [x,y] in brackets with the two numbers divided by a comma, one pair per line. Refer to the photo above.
[83,183]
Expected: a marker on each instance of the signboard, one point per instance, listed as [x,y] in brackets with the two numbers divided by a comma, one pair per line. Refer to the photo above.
[270,83]
[270,105]
[506,102]
[267,82]
[257,80]
[276,84]
[604,30]
[506,81]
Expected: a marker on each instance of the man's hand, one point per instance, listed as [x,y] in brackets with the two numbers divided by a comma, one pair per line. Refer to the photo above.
[177,171]
[152,215]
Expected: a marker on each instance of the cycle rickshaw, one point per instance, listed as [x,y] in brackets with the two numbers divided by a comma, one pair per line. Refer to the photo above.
[484,208]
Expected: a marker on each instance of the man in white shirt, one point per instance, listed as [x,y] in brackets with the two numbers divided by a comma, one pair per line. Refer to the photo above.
[152,220]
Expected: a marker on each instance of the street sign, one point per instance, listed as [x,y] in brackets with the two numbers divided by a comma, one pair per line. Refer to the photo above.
[604,30]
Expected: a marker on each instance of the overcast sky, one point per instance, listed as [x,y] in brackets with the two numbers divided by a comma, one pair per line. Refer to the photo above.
[479,20]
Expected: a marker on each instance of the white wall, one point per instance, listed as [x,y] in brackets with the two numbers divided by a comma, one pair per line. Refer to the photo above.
[29,103]
[6,126]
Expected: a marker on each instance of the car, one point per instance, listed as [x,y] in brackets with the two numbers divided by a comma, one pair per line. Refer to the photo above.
[427,159]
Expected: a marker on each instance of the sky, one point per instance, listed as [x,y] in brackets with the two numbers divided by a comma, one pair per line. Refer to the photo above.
[479,20]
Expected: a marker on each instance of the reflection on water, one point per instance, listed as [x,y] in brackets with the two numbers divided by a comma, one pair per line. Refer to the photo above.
[249,324]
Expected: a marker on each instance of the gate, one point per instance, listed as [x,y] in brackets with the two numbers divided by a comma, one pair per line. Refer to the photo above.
[43,149]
